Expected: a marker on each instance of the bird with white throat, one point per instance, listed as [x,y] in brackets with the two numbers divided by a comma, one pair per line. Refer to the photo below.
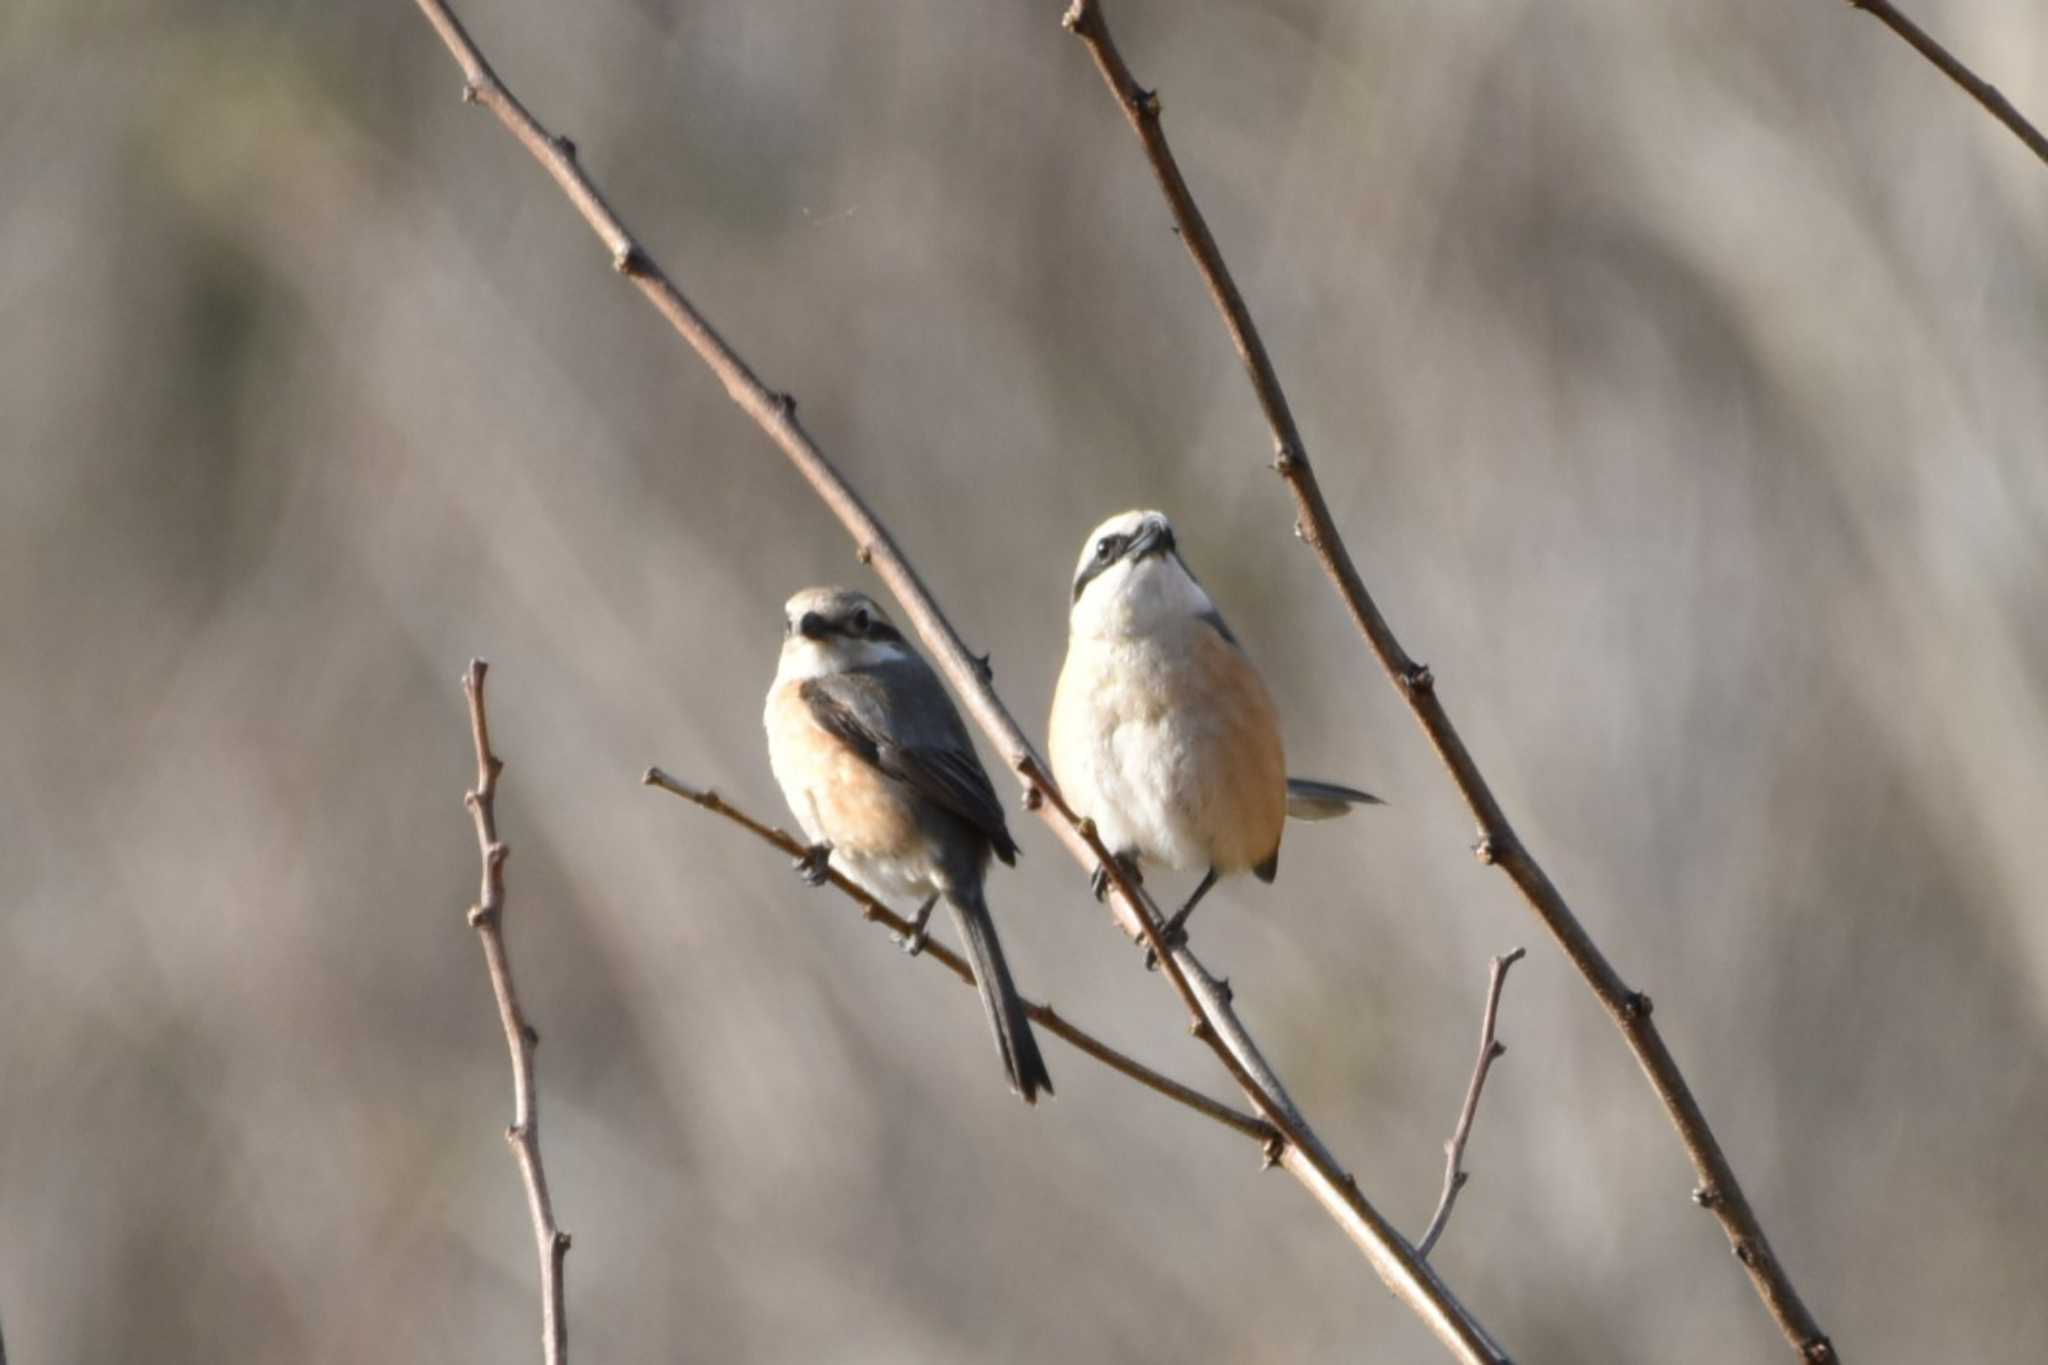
[1162,731]
[877,767]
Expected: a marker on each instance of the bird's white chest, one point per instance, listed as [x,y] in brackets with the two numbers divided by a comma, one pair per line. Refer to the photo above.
[1134,747]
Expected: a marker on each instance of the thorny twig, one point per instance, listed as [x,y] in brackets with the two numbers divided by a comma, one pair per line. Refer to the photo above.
[487,917]
[1490,1048]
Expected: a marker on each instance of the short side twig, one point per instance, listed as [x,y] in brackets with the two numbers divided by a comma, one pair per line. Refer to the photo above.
[1299,1151]
[1044,1016]
[1986,94]
[487,917]
[1490,1048]
[1498,844]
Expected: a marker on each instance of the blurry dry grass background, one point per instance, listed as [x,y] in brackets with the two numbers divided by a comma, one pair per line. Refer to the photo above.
[1676,370]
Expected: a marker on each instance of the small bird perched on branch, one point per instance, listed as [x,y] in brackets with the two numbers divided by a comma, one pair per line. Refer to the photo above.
[1162,732]
[878,769]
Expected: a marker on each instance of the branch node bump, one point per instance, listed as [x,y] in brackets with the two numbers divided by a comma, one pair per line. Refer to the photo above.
[1706,1196]
[1636,1005]
[566,145]
[1223,989]
[1819,1351]
[1034,796]
[1285,461]
[1145,103]
[630,261]
[1483,849]
[1745,1252]
[497,853]
[562,1242]
[1418,678]
[865,554]
[479,916]
[984,666]
[785,403]
[470,92]
[530,1034]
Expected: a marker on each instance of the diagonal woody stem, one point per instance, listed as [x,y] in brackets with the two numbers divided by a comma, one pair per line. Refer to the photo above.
[1986,94]
[1718,1191]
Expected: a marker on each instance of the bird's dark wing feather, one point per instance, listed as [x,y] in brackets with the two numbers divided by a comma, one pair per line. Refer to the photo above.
[1214,619]
[898,717]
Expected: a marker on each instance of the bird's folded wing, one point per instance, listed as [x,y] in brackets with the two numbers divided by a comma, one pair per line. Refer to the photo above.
[873,714]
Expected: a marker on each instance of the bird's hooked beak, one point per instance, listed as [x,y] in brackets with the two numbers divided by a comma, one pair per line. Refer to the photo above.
[1155,537]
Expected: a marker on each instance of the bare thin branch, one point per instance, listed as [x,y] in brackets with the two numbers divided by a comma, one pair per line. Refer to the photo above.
[1300,1152]
[1490,1048]
[1498,844]
[875,912]
[1979,90]
[487,917]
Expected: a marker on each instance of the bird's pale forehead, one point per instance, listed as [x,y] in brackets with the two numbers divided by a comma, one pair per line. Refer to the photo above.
[1123,523]
[831,603]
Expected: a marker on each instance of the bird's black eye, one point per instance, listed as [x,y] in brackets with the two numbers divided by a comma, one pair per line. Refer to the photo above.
[860,622]
[1105,549]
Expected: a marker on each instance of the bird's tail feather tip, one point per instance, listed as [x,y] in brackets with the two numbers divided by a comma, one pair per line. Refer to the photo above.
[1015,1041]
[1031,1079]
[1309,799]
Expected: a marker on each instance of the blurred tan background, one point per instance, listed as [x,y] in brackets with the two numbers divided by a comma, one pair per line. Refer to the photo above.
[1678,371]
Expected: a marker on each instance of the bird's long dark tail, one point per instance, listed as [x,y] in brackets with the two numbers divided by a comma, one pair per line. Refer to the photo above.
[1014,1039]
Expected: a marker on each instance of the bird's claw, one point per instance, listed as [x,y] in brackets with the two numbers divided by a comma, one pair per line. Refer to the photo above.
[1173,937]
[1099,880]
[913,942]
[813,866]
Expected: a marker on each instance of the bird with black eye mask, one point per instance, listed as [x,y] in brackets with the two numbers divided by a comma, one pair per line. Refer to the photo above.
[878,769]
[1162,731]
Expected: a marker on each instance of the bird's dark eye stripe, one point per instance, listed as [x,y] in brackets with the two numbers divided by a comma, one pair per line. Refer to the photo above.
[1108,550]
[865,625]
